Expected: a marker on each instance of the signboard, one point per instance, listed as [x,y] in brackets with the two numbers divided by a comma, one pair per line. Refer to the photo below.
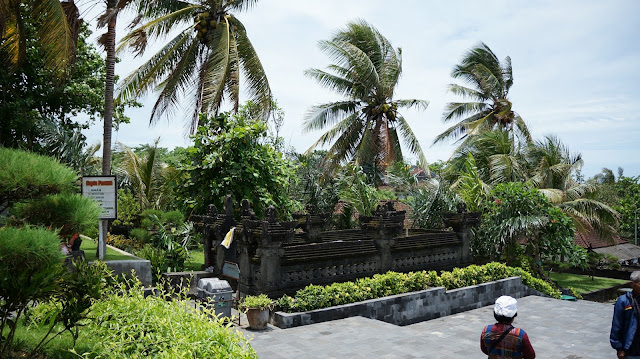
[231,270]
[104,190]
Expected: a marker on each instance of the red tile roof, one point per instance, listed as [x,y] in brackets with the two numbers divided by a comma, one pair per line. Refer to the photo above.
[592,239]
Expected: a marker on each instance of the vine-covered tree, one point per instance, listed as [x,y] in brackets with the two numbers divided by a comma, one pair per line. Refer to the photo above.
[365,126]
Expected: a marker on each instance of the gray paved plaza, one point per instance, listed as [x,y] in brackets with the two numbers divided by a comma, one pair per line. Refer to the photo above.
[557,329]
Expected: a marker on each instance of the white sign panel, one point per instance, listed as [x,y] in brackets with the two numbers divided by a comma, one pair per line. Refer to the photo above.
[104,190]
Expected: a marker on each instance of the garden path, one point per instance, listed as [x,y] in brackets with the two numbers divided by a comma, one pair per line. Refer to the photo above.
[557,329]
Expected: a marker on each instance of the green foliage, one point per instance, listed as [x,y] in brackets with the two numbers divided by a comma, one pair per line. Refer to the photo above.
[33,98]
[72,213]
[156,256]
[516,214]
[140,235]
[366,125]
[357,191]
[380,285]
[230,156]
[489,108]
[628,194]
[470,187]
[312,186]
[210,66]
[30,266]
[143,172]
[256,302]
[132,326]
[124,243]
[26,175]
[128,208]
[427,198]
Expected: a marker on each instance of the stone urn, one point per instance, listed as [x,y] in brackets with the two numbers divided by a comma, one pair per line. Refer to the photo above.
[257,318]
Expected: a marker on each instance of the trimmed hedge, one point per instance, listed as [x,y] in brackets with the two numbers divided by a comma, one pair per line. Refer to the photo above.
[381,285]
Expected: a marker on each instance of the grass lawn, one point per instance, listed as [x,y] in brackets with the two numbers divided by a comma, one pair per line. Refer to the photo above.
[196,260]
[28,337]
[584,283]
[90,246]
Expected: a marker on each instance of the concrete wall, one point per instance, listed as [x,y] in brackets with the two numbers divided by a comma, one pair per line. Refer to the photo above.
[409,308]
[141,267]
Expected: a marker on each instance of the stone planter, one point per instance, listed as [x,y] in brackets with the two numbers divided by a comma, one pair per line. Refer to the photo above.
[258,318]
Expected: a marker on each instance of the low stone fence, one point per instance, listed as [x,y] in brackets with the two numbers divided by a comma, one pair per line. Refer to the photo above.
[414,307]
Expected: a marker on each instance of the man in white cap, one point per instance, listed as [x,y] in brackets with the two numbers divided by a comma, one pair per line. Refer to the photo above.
[625,336]
[503,340]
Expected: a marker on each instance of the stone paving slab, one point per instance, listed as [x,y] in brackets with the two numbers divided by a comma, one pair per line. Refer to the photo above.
[557,329]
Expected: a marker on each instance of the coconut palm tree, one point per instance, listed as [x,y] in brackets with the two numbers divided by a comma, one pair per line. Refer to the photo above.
[57,23]
[144,173]
[489,82]
[497,157]
[553,169]
[365,125]
[204,61]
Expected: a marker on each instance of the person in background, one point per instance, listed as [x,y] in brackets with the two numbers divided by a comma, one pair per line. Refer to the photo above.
[502,339]
[625,337]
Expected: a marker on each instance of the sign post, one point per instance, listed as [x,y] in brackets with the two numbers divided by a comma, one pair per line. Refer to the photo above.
[103,190]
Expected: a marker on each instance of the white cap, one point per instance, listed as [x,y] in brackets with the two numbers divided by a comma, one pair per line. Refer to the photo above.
[506,306]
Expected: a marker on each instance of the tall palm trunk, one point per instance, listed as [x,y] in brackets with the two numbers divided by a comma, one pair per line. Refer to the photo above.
[110,48]
[108,93]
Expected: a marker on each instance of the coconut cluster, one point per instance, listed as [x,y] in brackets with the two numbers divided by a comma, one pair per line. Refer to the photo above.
[206,22]
[388,109]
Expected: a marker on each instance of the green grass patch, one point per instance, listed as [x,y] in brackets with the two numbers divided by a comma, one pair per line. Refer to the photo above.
[27,337]
[90,246]
[195,260]
[584,283]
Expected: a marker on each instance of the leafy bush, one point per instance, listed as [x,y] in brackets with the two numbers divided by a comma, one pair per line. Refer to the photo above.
[256,302]
[71,212]
[30,265]
[26,175]
[156,256]
[380,285]
[128,208]
[124,243]
[141,235]
[132,326]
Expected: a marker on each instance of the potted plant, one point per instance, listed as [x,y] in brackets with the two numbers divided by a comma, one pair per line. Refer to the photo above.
[257,310]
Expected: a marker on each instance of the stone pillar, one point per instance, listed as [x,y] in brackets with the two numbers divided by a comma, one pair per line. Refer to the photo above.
[461,222]
[384,226]
[261,252]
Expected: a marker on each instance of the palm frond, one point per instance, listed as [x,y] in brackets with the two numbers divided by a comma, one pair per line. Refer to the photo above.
[330,81]
[320,116]
[160,26]
[148,75]
[258,87]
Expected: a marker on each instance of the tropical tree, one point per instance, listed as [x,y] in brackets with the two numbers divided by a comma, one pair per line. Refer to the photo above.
[553,169]
[489,82]
[366,126]
[521,225]
[204,60]
[497,158]
[57,24]
[231,156]
[144,173]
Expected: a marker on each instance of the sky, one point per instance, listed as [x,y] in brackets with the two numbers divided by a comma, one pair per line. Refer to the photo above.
[575,67]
